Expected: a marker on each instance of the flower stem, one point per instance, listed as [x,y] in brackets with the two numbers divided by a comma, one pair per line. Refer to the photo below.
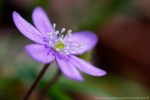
[28,94]
[44,91]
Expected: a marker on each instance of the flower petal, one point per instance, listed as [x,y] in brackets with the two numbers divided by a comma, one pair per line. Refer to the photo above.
[40,53]
[68,69]
[41,21]
[86,38]
[87,67]
[27,29]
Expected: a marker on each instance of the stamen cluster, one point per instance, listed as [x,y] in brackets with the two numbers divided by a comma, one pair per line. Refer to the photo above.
[62,42]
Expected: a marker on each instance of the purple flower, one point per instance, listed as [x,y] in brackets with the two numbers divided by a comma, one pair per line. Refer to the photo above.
[52,44]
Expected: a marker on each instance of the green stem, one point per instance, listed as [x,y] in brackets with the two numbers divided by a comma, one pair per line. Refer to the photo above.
[28,94]
[44,91]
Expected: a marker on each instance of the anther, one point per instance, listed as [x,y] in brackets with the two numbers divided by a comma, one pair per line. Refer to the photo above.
[57,32]
[50,33]
[73,51]
[68,43]
[51,37]
[54,26]
[75,44]
[81,47]
[57,49]
[67,47]
[67,53]
[68,40]
[81,44]
[63,30]
[62,36]
[50,42]
[69,33]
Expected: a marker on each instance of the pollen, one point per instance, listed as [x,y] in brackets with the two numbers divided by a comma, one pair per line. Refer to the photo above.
[59,46]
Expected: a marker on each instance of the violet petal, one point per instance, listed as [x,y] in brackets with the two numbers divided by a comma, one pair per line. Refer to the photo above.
[87,38]
[40,53]
[41,21]
[68,69]
[86,67]
[27,29]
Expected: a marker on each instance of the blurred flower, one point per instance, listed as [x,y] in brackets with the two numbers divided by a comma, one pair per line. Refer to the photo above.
[52,44]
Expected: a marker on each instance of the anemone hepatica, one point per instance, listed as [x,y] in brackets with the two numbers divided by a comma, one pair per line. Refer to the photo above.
[61,46]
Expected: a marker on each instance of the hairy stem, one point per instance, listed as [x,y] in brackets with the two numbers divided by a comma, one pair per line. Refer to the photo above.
[44,91]
[28,94]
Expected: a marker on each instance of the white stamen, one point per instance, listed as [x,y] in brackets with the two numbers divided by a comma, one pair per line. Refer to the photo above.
[67,43]
[51,37]
[62,36]
[50,33]
[63,30]
[81,47]
[57,49]
[67,53]
[54,26]
[81,44]
[50,42]
[75,44]
[69,33]
[60,39]
[73,51]
[69,40]
[57,32]
[67,47]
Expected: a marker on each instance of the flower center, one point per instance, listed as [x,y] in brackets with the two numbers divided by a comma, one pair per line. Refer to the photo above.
[59,46]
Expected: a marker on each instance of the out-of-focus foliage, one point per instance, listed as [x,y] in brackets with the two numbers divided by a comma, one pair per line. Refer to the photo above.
[101,13]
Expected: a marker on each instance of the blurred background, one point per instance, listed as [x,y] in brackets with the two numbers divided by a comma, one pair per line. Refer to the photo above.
[123,50]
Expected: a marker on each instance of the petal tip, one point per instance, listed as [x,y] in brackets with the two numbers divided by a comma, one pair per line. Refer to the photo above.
[99,73]
[14,14]
[38,8]
[102,73]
